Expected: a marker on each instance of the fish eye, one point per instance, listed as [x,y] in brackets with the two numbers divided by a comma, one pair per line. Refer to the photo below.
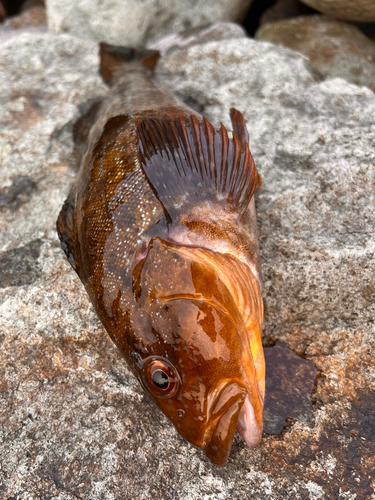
[160,380]
[162,377]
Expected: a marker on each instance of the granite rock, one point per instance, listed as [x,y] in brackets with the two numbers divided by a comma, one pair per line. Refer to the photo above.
[133,23]
[335,48]
[74,423]
[32,20]
[348,10]
[199,35]
[284,9]
[34,16]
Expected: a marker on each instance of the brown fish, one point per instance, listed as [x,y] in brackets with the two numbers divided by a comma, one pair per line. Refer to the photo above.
[160,227]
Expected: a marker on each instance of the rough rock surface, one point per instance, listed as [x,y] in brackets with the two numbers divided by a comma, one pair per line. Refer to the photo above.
[133,23]
[32,20]
[335,48]
[73,421]
[348,10]
[199,35]
[34,16]
[284,9]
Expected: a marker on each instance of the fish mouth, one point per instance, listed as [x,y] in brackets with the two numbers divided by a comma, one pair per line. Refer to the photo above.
[231,409]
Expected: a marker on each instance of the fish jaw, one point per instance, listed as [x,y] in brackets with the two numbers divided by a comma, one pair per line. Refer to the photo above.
[241,416]
[230,408]
[224,406]
[218,449]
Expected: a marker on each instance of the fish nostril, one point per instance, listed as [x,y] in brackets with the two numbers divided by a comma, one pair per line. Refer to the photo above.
[181,413]
[136,358]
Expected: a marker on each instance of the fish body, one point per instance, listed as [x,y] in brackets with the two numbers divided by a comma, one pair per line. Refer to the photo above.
[160,227]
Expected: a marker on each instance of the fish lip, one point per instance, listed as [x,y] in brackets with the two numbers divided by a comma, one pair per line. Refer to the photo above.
[248,425]
[230,408]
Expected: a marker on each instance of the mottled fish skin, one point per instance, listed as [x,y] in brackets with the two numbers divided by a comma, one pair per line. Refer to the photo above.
[175,280]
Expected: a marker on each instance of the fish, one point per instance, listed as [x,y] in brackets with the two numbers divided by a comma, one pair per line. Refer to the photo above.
[160,226]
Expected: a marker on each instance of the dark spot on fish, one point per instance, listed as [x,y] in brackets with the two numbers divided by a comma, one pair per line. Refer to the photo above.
[18,193]
[181,413]
[290,382]
[19,266]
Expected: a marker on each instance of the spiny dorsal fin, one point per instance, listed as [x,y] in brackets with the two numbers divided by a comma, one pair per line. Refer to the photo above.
[186,160]
[239,126]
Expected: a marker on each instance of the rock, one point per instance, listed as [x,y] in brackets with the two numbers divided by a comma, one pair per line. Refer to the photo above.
[32,20]
[335,48]
[35,16]
[348,10]
[284,9]
[130,23]
[199,35]
[74,423]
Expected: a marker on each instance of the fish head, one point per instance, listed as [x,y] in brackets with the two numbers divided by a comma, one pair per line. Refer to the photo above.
[192,354]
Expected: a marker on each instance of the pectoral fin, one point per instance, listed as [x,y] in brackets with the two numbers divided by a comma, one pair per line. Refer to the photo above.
[67,232]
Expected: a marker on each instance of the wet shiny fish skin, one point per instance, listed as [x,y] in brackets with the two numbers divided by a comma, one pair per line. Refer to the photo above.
[171,260]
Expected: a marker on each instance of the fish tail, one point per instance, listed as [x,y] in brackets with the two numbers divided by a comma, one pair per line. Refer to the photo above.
[114,58]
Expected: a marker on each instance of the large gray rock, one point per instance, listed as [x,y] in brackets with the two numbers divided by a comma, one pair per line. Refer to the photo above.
[348,10]
[284,9]
[335,48]
[133,23]
[32,20]
[196,36]
[74,423]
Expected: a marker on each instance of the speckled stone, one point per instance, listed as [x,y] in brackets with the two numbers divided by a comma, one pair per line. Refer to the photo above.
[348,10]
[284,9]
[35,16]
[198,35]
[335,48]
[74,423]
[134,23]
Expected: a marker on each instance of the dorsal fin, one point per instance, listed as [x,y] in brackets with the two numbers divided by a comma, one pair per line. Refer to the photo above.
[114,57]
[239,126]
[186,160]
